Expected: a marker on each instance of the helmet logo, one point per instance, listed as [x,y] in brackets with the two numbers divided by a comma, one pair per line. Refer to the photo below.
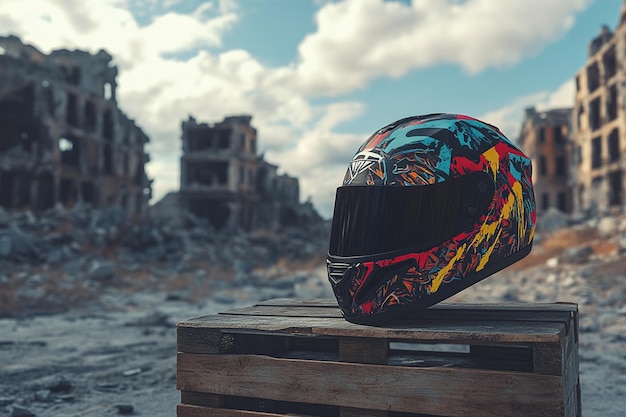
[361,162]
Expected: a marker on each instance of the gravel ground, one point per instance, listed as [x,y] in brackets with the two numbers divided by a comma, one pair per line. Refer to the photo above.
[116,355]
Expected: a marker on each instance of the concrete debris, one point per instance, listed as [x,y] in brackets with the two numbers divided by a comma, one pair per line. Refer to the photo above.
[63,257]
[552,220]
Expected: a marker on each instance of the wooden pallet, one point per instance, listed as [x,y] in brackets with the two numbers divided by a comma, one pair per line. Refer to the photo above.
[301,358]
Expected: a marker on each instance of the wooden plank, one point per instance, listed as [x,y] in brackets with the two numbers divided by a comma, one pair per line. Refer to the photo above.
[287,311]
[185,410]
[201,399]
[331,303]
[548,358]
[428,314]
[571,379]
[433,331]
[363,350]
[199,340]
[440,391]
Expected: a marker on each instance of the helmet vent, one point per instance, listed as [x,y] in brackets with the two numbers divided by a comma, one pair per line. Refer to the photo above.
[336,270]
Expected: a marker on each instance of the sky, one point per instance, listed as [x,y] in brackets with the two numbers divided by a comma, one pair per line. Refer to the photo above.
[320,76]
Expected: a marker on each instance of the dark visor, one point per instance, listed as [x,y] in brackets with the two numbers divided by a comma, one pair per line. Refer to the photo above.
[377,219]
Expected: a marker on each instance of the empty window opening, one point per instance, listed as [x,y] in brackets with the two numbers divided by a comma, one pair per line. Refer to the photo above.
[16,117]
[214,174]
[69,147]
[593,77]
[6,185]
[615,188]
[596,153]
[124,201]
[224,140]
[560,166]
[242,142]
[126,137]
[90,115]
[108,91]
[107,151]
[562,202]
[107,128]
[610,63]
[45,191]
[543,168]
[48,98]
[74,75]
[557,131]
[594,114]
[545,201]
[140,175]
[200,139]
[72,109]
[69,194]
[611,103]
[138,203]
[614,152]
[542,135]
[87,191]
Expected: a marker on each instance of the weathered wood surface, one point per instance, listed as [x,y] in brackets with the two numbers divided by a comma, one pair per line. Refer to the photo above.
[301,358]
[185,410]
[331,303]
[435,330]
[440,391]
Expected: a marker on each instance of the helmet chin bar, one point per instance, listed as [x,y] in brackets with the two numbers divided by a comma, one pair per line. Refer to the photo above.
[405,310]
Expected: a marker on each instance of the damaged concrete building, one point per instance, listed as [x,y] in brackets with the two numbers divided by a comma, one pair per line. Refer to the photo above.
[599,123]
[63,138]
[225,181]
[545,138]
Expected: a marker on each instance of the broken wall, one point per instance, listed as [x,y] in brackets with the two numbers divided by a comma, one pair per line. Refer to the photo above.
[66,141]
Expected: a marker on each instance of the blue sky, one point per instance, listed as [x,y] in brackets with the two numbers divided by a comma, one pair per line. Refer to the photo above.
[320,76]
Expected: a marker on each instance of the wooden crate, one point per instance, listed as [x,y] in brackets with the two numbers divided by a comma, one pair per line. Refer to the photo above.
[301,358]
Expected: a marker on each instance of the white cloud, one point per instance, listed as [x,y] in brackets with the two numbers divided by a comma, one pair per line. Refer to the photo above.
[358,40]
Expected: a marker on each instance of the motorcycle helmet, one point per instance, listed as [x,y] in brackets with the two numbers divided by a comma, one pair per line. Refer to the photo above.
[429,206]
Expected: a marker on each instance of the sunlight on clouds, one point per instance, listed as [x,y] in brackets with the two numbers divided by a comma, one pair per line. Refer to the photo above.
[376,38]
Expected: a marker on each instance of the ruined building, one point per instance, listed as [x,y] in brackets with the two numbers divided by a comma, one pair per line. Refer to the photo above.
[63,138]
[225,181]
[599,123]
[545,138]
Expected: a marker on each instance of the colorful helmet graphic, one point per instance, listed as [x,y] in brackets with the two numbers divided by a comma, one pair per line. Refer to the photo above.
[429,206]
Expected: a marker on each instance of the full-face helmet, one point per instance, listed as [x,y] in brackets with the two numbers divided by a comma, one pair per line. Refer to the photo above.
[429,206]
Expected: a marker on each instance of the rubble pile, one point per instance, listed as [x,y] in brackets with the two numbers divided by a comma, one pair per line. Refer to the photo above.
[63,258]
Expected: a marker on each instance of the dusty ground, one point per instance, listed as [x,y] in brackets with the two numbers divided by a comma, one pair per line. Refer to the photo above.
[115,350]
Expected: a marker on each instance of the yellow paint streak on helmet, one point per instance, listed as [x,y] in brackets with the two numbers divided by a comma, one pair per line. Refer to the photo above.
[494,160]
[485,258]
[446,269]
